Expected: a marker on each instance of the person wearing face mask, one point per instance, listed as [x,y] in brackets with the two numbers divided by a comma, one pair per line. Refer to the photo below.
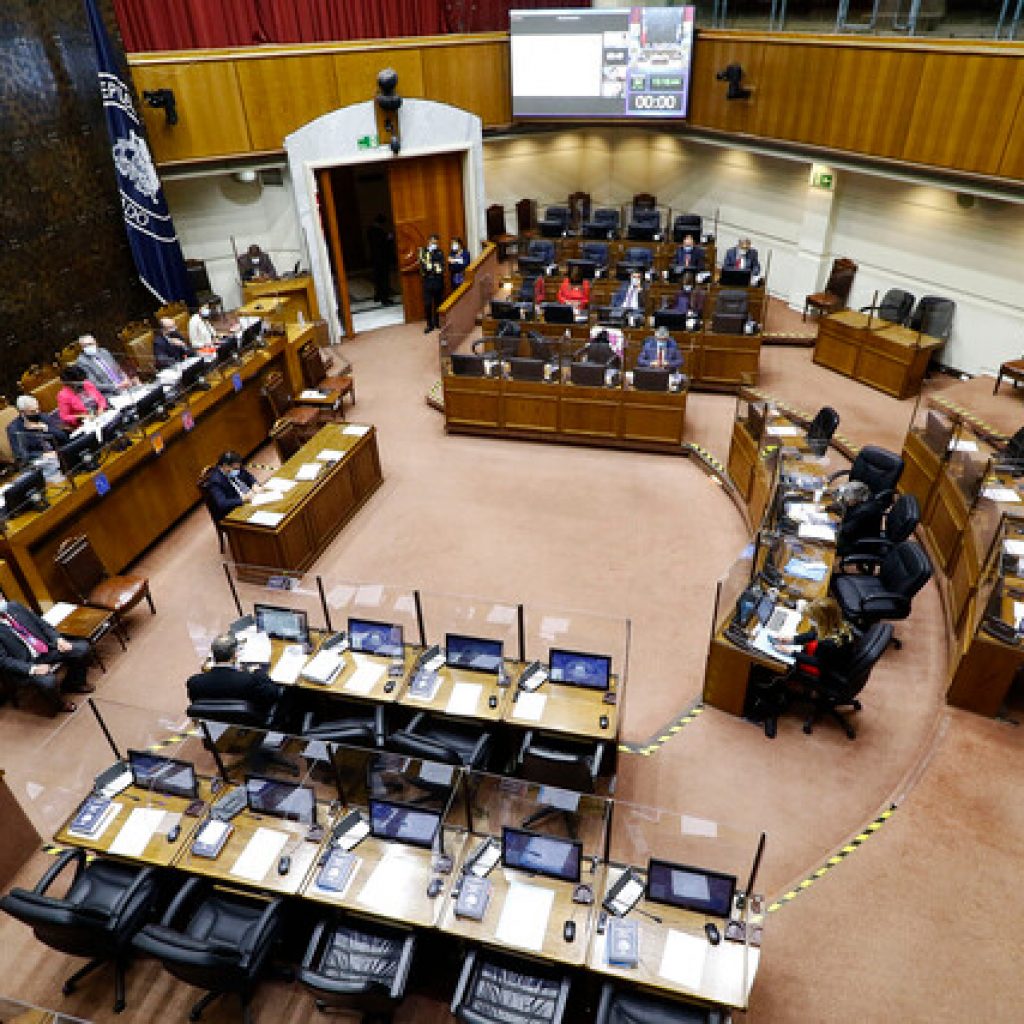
[689,256]
[229,486]
[660,351]
[79,399]
[458,261]
[743,257]
[689,298]
[432,271]
[32,435]
[101,367]
[202,333]
[33,652]
[631,296]
[169,347]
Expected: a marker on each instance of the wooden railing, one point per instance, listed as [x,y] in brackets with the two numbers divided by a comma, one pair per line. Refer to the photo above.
[460,310]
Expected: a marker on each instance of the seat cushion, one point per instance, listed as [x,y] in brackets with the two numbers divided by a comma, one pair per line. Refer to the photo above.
[361,957]
[101,886]
[504,996]
[118,593]
[224,922]
[633,1008]
[851,591]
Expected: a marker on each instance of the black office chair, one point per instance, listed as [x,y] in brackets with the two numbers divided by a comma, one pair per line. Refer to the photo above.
[105,906]
[561,763]
[821,429]
[350,722]
[604,223]
[900,523]
[358,965]
[871,589]
[496,989]
[644,224]
[246,715]
[896,306]
[597,352]
[862,521]
[543,348]
[639,256]
[1014,448]
[687,224]
[877,467]
[504,346]
[540,249]
[595,251]
[443,740]
[730,314]
[934,316]
[216,940]
[555,221]
[837,687]
[630,1007]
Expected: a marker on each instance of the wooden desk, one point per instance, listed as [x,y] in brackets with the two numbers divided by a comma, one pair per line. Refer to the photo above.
[728,970]
[885,356]
[390,881]
[376,695]
[314,511]
[449,678]
[298,292]
[572,711]
[149,489]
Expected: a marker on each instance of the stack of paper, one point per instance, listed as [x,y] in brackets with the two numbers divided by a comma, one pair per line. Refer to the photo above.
[264,498]
[309,471]
[277,483]
[330,455]
[817,531]
[355,429]
[59,612]
[266,518]
[255,649]
[289,665]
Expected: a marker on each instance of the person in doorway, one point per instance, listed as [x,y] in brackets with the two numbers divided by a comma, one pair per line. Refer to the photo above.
[458,262]
[380,241]
[431,261]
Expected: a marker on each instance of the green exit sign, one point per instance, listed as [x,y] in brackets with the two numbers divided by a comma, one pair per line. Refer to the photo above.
[367,142]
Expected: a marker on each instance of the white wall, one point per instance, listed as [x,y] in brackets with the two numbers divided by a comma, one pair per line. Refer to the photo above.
[209,210]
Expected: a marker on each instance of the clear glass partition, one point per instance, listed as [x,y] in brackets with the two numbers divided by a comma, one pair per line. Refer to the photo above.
[753,414]
[934,424]
[375,603]
[14,1011]
[252,585]
[475,618]
[970,462]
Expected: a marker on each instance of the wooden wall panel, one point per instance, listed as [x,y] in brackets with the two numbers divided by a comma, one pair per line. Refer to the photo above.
[793,92]
[211,114]
[708,106]
[475,78]
[356,72]
[284,93]
[872,101]
[1012,163]
[964,110]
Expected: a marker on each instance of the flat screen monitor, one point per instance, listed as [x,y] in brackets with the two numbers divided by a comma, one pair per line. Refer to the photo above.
[558,313]
[623,63]
[252,333]
[280,799]
[577,668]
[472,652]
[531,266]
[673,319]
[735,278]
[650,378]
[191,372]
[370,637]
[585,268]
[677,885]
[541,855]
[502,310]
[81,453]
[404,823]
[228,348]
[152,401]
[588,375]
[163,774]
[526,369]
[27,490]
[466,365]
[282,623]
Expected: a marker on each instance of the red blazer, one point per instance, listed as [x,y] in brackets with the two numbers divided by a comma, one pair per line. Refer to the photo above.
[72,409]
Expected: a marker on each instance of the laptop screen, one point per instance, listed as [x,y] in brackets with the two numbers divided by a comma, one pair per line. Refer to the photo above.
[705,892]
[574,668]
[371,637]
[280,799]
[282,623]
[163,774]
[403,823]
[541,855]
[472,652]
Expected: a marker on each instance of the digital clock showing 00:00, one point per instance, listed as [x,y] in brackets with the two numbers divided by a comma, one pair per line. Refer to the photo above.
[652,102]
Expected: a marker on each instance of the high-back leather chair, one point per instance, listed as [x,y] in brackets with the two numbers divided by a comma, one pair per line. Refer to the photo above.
[595,251]
[730,313]
[526,216]
[315,376]
[821,429]
[216,940]
[687,224]
[443,740]
[43,383]
[497,232]
[306,419]
[878,468]
[354,723]
[644,201]
[555,221]
[560,762]
[645,223]
[639,255]
[104,907]
[900,523]
[836,291]
[496,989]
[8,413]
[287,439]
[541,249]
[202,483]
[176,311]
[598,352]
[626,1006]
[933,316]
[579,209]
[895,307]
[604,223]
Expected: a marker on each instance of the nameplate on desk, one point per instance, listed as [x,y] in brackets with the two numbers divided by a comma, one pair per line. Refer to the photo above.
[355,429]
[308,471]
[311,395]
[276,483]
[187,420]
[330,455]
[102,484]
[157,442]
[265,518]
[236,381]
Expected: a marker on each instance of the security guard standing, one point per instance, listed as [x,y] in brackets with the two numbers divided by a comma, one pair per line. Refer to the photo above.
[432,271]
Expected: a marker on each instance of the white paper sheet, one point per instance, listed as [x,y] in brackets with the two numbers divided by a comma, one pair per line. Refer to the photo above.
[366,675]
[136,832]
[961,444]
[386,883]
[524,916]
[264,498]
[330,455]
[1004,494]
[702,827]
[289,665]
[355,429]
[682,961]
[783,430]
[277,483]
[255,649]
[309,471]
[266,518]
[762,641]
[1014,547]
[261,853]
[810,531]
[61,610]
[323,667]
[311,394]
[464,699]
[1018,611]
[530,706]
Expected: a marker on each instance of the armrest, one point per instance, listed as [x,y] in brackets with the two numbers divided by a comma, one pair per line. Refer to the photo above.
[314,945]
[404,966]
[144,878]
[57,867]
[524,747]
[380,725]
[873,547]
[476,758]
[901,604]
[598,756]
[263,932]
[185,893]
[467,973]
[308,720]
[563,998]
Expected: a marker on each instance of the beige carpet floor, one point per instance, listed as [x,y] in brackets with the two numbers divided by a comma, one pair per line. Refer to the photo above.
[888,934]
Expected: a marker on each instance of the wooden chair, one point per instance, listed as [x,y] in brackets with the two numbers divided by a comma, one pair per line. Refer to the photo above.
[315,375]
[579,209]
[526,216]
[837,289]
[644,201]
[43,383]
[306,418]
[287,439]
[178,312]
[93,585]
[497,232]
[203,484]
[69,353]
[140,352]
[7,414]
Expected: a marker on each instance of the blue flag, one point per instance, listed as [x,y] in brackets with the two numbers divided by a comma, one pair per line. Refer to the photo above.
[147,220]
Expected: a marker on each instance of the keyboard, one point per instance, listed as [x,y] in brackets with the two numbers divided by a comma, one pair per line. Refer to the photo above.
[230,805]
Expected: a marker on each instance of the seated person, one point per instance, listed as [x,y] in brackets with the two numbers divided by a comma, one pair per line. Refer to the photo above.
[79,399]
[33,435]
[689,256]
[202,333]
[229,486]
[575,290]
[826,644]
[660,351]
[222,681]
[169,347]
[532,290]
[100,367]
[602,348]
[255,263]
[743,257]
[690,297]
[32,651]
[632,294]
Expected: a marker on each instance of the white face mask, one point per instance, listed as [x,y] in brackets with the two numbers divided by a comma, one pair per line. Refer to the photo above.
[432,246]
[3,606]
[89,350]
[205,311]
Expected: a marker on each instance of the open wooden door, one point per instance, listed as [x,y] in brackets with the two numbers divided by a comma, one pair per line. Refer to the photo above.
[426,199]
[329,219]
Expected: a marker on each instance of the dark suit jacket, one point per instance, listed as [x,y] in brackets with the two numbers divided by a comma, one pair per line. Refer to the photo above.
[165,354]
[620,296]
[696,258]
[649,354]
[221,492]
[732,261]
[14,655]
[27,444]
[685,301]
[225,682]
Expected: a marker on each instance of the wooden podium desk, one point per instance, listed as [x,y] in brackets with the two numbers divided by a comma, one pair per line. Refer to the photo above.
[298,293]
[313,512]
[885,356]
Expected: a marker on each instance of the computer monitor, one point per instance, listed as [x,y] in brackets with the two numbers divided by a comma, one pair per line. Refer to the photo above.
[577,668]
[678,885]
[504,310]
[282,623]
[280,799]
[541,855]
[370,637]
[472,652]
[163,774]
[251,334]
[586,268]
[673,319]
[587,375]
[734,277]
[558,313]
[404,823]
[228,348]
[80,454]
[28,490]
[651,378]
[191,372]
[466,365]
[531,265]
[614,315]
[526,369]
[152,404]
